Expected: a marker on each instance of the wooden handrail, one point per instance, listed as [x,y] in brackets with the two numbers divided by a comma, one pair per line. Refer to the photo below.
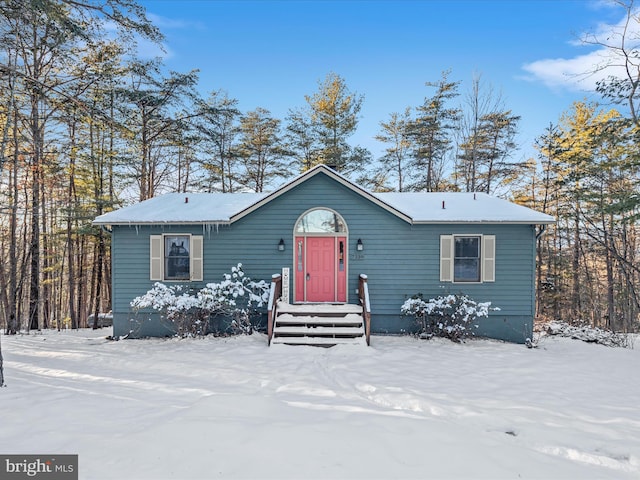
[275,292]
[363,295]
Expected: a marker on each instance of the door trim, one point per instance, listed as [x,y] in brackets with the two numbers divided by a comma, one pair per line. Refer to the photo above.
[297,273]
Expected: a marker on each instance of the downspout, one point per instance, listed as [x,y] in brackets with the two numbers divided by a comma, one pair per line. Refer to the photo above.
[542,230]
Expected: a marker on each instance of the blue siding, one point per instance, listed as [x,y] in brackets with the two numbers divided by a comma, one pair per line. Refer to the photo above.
[400,259]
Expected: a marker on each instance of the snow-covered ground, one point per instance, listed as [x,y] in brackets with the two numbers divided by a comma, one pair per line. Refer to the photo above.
[403,408]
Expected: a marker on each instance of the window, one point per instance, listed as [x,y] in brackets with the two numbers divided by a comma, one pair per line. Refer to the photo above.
[176,257]
[467,258]
[321,220]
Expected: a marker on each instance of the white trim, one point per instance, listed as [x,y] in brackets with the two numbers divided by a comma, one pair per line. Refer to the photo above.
[320,234]
[481,222]
[311,173]
[335,236]
[453,258]
[415,208]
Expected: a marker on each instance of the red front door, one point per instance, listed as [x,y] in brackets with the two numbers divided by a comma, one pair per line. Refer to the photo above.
[321,269]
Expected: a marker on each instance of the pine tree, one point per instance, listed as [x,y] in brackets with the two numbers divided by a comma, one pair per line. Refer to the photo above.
[431,134]
[42,43]
[217,124]
[331,118]
[394,163]
[154,101]
[260,150]
[302,142]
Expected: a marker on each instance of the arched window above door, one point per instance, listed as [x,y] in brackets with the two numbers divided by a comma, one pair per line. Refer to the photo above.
[321,220]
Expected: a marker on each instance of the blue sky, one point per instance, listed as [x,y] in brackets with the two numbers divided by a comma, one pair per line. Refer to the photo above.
[271,54]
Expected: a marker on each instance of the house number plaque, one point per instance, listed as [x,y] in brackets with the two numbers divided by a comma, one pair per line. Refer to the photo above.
[285,285]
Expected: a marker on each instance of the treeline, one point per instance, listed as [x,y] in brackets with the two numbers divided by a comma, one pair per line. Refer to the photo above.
[86,126]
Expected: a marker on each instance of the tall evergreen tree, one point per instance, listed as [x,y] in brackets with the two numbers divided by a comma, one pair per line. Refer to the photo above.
[431,134]
[302,141]
[154,101]
[333,118]
[217,123]
[395,133]
[41,40]
[590,272]
[261,150]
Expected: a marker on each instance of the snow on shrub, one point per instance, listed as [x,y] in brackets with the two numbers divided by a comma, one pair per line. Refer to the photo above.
[450,316]
[589,334]
[189,312]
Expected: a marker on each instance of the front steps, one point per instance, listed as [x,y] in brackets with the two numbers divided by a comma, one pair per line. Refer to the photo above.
[320,324]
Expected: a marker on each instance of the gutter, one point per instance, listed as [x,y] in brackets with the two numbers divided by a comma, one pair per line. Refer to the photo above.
[542,230]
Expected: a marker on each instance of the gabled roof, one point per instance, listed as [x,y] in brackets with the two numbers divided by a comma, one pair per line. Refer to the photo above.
[330,173]
[414,207]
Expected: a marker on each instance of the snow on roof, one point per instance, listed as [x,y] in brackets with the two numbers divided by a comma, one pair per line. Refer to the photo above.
[211,208]
[413,207]
[182,208]
[459,207]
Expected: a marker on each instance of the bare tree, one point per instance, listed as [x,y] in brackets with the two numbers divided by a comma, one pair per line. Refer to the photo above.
[621,60]
[486,141]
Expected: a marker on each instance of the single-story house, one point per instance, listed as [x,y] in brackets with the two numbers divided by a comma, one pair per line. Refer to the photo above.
[327,234]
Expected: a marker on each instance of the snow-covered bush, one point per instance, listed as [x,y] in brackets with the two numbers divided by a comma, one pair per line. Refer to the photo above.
[189,312]
[450,316]
[589,334]
[236,297]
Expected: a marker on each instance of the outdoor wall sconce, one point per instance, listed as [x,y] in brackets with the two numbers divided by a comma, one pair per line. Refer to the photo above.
[359,245]
[281,245]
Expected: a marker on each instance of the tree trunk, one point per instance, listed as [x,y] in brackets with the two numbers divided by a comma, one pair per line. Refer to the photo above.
[98,287]
[575,269]
[71,202]
[36,165]
[13,325]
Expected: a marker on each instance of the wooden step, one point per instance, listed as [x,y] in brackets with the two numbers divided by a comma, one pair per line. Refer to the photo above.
[289,319]
[319,324]
[318,341]
[318,309]
[312,331]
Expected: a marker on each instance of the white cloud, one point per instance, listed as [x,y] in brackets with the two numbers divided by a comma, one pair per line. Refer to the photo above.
[582,72]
